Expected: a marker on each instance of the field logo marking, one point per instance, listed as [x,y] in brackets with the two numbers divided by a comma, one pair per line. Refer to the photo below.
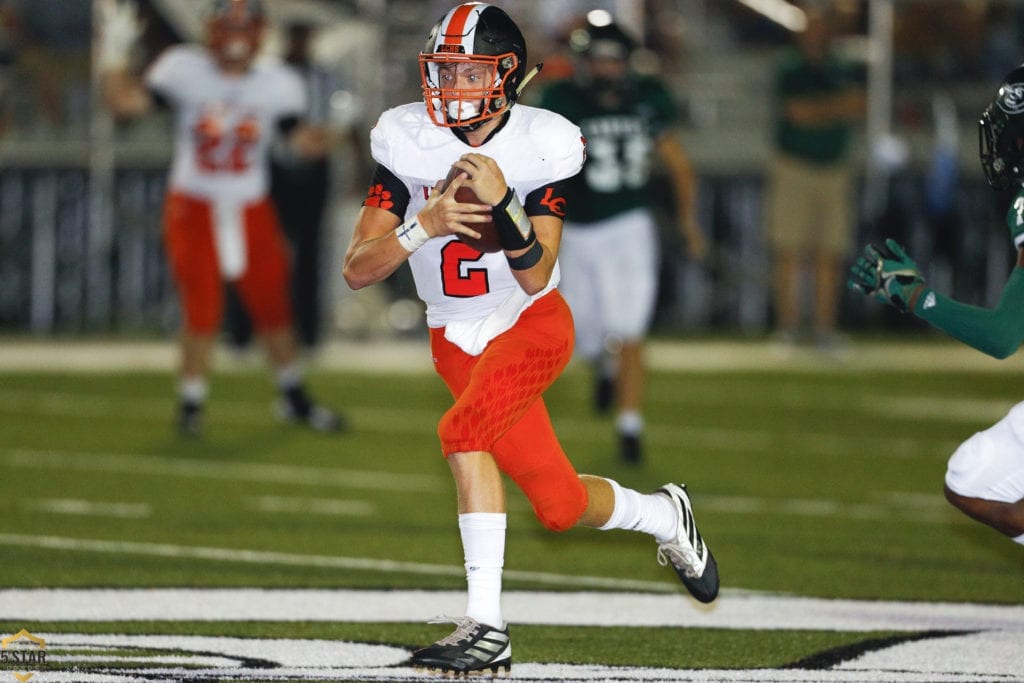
[34,654]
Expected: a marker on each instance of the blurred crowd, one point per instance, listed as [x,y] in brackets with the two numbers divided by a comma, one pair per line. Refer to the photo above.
[45,44]
[958,47]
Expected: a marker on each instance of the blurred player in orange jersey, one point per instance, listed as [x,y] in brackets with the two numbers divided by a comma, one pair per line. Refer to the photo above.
[219,224]
[500,332]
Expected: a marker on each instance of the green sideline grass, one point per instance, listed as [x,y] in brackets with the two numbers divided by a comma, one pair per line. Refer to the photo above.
[820,484]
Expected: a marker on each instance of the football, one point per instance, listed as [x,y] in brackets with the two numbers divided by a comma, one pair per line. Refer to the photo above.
[488,242]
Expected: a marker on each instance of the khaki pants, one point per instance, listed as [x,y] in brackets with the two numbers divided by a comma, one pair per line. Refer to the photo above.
[810,206]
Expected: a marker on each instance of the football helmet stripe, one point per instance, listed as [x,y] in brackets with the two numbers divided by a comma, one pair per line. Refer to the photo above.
[456,31]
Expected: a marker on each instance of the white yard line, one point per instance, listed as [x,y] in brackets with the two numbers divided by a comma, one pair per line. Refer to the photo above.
[91,508]
[300,560]
[251,471]
[312,506]
[968,642]
[732,610]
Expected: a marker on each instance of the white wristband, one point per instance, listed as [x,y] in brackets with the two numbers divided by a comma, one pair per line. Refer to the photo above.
[411,235]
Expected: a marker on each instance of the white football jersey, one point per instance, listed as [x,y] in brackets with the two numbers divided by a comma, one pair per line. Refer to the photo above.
[535,148]
[224,124]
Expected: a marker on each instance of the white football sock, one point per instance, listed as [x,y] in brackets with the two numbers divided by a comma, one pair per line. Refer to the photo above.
[193,389]
[1019,539]
[651,513]
[483,543]
[629,422]
[289,377]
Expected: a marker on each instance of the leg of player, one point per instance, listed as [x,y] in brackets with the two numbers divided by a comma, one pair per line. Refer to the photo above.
[296,404]
[666,514]
[985,476]
[196,350]
[1006,518]
[605,369]
[481,639]
[629,390]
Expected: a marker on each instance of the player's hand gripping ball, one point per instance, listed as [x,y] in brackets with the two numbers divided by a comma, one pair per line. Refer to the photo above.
[488,241]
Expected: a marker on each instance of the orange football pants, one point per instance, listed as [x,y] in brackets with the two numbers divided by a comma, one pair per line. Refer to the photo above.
[192,251]
[499,407]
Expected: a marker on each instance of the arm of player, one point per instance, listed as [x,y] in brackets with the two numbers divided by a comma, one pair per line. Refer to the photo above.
[684,183]
[374,251]
[890,275]
[123,91]
[381,242]
[548,230]
[997,331]
[530,242]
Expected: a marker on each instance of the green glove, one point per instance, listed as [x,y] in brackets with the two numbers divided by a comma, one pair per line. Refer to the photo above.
[888,274]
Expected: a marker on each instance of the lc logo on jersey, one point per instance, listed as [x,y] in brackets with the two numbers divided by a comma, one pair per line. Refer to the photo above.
[22,648]
[556,205]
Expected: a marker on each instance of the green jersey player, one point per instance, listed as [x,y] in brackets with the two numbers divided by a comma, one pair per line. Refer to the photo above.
[609,253]
[985,476]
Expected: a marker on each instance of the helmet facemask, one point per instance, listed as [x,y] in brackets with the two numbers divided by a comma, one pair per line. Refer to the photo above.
[451,103]
[472,36]
[1001,137]
[235,31]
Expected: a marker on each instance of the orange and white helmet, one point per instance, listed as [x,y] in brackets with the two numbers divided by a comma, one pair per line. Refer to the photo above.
[235,29]
[472,33]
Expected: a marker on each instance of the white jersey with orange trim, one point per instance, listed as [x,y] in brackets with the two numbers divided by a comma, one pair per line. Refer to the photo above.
[534,148]
[224,124]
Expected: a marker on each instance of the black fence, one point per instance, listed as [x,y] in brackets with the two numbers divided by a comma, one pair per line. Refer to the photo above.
[62,271]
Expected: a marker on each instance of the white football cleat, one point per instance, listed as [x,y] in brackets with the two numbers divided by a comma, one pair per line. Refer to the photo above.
[689,555]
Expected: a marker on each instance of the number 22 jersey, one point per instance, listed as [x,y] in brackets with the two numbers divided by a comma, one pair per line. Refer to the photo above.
[223,123]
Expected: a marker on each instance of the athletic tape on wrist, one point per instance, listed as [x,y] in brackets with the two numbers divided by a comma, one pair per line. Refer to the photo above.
[515,231]
[411,235]
[527,260]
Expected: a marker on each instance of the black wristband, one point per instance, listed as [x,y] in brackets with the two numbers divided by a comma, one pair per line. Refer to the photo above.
[515,231]
[528,260]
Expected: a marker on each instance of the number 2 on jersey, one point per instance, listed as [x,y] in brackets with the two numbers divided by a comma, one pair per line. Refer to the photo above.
[454,282]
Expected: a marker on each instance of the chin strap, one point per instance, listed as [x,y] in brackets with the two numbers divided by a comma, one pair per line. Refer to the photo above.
[529,77]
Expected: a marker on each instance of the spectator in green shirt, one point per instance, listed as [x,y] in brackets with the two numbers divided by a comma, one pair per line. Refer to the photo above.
[818,100]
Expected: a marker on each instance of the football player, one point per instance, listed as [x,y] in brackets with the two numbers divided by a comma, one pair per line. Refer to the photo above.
[985,475]
[219,224]
[610,242]
[500,332]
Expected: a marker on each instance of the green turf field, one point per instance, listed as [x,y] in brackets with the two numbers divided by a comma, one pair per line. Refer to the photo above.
[824,483]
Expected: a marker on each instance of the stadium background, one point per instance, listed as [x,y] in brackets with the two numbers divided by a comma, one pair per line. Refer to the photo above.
[816,479]
[80,197]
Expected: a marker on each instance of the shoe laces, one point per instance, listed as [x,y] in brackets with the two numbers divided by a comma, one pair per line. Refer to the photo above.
[465,626]
[679,554]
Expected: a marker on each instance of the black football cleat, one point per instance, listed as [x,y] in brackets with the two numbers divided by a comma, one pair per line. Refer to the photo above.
[689,556]
[190,419]
[604,393]
[295,406]
[472,648]
[630,450]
